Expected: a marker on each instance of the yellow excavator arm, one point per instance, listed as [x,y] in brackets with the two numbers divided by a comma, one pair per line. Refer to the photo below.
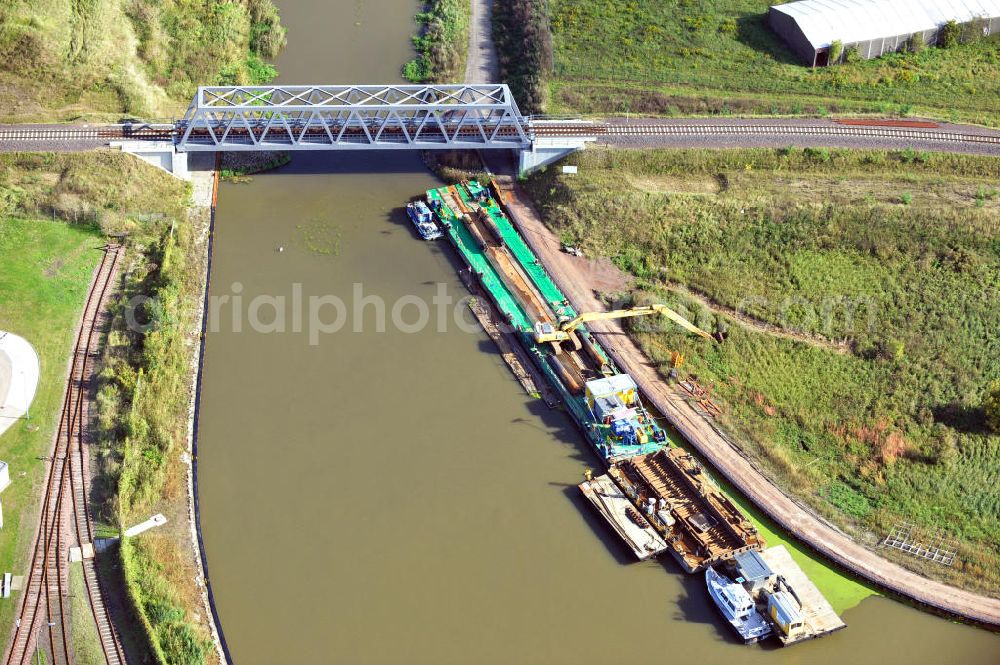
[549,333]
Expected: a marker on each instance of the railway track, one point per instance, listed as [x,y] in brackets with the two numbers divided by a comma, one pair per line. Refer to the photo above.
[44,611]
[99,133]
[338,132]
[847,131]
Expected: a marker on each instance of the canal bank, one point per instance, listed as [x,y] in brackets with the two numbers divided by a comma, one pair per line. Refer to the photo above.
[393,497]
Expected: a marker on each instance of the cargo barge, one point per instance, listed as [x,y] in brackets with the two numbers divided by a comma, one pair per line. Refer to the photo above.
[701,524]
[655,496]
[603,402]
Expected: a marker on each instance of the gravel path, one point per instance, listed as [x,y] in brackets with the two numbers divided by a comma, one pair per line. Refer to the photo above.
[481,61]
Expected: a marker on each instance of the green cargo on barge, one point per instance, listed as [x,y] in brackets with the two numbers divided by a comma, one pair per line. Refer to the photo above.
[604,403]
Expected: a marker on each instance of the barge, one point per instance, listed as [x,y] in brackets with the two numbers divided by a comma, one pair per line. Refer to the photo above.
[655,496]
[796,608]
[603,402]
[701,524]
[617,510]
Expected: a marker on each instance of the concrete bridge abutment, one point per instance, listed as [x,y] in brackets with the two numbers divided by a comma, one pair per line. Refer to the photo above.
[161,154]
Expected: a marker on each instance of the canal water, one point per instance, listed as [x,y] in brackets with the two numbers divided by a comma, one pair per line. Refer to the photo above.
[393,497]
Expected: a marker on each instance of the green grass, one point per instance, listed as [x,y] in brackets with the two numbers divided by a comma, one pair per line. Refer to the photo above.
[175,641]
[86,642]
[46,268]
[859,380]
[101,59]
[720,57]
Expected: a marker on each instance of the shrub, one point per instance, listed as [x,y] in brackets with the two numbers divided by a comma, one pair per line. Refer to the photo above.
[417,70]
[267,35]
[836,50]
[821,155]
[915,44]
[440,43]
[949,35]
[906,198]
[911,156]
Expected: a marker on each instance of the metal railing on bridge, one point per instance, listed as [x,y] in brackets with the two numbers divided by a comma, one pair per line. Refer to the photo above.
[324,117]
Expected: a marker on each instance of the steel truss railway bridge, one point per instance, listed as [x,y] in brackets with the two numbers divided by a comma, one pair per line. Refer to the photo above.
[368,117]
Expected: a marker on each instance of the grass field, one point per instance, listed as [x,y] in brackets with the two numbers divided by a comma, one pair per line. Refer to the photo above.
[860,294]
[102,59]
[720,57]
[46,268]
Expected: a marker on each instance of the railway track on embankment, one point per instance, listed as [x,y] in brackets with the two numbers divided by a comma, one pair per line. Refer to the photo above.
[76,138]
[85,133]
[691,133]
[637,133]
[65,520]
[801,130]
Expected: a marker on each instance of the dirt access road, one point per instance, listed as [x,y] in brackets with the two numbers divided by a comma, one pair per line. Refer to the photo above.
[481,61]
[573,275]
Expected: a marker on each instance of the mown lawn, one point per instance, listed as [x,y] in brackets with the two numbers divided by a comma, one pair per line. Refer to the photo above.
[45,269]
[870,283]
[720,57]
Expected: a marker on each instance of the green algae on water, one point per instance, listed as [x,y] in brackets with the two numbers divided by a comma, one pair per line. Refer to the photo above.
[318,236]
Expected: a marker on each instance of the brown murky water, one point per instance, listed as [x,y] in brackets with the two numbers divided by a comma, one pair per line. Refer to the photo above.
[394,498]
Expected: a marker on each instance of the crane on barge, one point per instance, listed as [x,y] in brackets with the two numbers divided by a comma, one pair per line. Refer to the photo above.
[546,332]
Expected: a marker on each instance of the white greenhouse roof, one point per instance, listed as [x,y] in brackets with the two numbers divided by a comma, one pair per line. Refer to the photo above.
[852,21]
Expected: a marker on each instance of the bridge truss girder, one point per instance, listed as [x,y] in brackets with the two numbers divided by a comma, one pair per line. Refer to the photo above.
[394,117]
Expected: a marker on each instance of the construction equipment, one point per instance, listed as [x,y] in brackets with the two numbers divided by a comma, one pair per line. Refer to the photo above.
[546,332]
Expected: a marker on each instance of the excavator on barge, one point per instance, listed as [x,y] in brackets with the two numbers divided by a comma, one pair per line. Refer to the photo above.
[565,330]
